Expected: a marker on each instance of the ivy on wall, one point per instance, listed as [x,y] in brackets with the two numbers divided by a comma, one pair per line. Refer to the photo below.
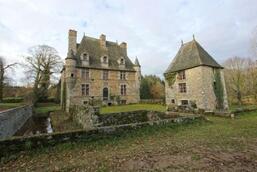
[218,89]
[171,78]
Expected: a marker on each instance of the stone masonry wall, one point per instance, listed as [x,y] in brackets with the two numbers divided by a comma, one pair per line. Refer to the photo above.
[96,85]
[13,119]
[199,83]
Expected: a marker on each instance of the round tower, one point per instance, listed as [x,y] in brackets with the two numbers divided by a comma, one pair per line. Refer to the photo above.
[137,68]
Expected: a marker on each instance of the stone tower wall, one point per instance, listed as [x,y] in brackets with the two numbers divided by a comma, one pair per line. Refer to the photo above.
[199,81]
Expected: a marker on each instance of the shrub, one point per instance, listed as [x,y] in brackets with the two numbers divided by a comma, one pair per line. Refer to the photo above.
[13,100]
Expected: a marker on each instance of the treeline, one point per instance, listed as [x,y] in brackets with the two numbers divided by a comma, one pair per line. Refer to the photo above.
[241,80]
[152,87]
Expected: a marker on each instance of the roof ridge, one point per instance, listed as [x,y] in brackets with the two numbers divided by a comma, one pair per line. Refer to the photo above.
[197,48]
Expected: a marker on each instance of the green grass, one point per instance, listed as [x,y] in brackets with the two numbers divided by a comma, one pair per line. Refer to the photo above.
[44,108]
[205,143]
[4,106]
[132,107]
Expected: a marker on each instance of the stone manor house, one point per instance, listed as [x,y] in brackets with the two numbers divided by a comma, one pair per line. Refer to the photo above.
[97,69]
[194,78]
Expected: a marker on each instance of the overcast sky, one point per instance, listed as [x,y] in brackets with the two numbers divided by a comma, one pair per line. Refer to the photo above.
[153,29]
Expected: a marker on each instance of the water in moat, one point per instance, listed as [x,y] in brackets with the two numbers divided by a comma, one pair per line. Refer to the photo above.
[34,126]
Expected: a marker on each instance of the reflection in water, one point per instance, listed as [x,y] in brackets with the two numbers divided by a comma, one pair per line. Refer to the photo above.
[35,125]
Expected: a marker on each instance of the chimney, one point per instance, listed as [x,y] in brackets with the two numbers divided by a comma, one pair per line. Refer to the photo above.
[123,45]
[103,40]
[72,38]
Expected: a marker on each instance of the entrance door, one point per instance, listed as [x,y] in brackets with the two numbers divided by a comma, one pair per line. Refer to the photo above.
[105,94]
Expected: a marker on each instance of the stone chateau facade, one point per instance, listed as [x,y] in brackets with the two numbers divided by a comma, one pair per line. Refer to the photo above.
[195,78]
[99,70]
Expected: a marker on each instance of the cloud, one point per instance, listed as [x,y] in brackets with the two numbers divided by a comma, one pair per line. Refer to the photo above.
[152,29]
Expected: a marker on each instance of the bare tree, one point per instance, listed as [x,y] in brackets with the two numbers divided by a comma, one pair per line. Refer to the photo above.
[3,68]
[235,76]
[41,64]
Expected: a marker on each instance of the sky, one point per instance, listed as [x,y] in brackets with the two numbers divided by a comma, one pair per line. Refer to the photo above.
[153,29]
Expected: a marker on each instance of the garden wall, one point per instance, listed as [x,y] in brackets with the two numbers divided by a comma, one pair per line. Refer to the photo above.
[130,117]
[17,144]
[13,119]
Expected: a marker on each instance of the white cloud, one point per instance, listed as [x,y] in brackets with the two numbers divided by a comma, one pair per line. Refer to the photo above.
[152,29]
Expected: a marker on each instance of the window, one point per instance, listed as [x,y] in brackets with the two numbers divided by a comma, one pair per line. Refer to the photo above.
[72,75]
[85,74]
[85,89]
[105,59]
[214,85]
[122,61]
[85,56]
[173,101]
[181,75]
[184,102]
[123,90]
[123,102]
[182,87]
[105,75]
[122,75]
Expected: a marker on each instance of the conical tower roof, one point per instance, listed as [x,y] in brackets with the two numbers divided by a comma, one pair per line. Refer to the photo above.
[190,55]
[136,62]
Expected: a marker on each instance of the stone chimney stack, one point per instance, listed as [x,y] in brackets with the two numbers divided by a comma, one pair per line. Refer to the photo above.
[103,40]
[72,38]
[123,45]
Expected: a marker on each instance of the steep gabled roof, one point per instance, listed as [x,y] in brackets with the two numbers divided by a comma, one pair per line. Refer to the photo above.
[191,55]
[96,51]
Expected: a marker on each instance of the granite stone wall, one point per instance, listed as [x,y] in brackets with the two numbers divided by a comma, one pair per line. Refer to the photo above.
[13,119]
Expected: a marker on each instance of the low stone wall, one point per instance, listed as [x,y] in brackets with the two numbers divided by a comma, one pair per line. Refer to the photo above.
[130,117]
[17,144]
[13,119]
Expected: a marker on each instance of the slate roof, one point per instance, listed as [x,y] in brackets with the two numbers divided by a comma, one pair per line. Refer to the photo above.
[92,47]
[191,54]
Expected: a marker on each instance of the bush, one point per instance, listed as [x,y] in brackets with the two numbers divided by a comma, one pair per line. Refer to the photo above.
[13,100]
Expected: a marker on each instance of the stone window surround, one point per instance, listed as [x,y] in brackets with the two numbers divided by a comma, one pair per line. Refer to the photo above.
[105,74]
[85,74]
[123,75]
[104,59]
[182,87]
[83,57]
[181,75]
[123,89]
[85,89]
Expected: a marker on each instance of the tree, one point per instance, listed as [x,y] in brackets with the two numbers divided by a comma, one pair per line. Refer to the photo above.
[152,87]
[235,76]
[42,63]
[3,69]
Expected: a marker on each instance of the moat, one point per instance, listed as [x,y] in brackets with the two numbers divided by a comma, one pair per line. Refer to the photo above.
[35,125]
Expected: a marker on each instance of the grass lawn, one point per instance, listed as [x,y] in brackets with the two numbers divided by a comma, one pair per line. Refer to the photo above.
[132,107]
[4,106]
[222,144]
[45,108]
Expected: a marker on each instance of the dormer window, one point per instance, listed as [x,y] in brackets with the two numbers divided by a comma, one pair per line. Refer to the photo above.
[105,60]
[84,57]
[121,62]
